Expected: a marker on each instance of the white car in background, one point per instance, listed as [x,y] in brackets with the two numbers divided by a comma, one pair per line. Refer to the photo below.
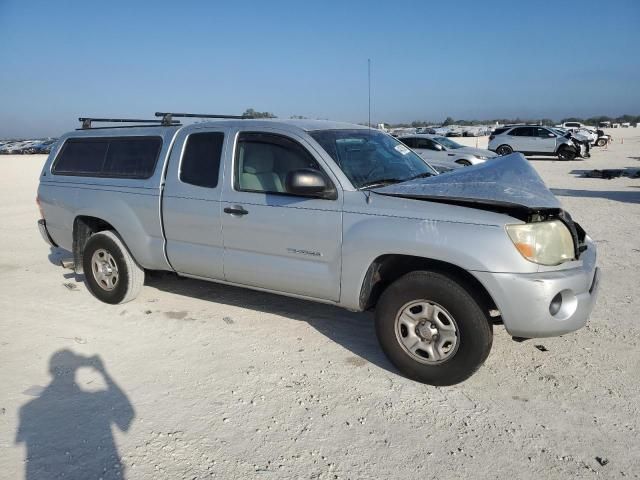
[435,148]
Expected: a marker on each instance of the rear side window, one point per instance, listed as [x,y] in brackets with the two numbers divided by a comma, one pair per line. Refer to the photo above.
[409,142]
[121,157]
[522,132]
[201,160]
[499,131]
[81,157]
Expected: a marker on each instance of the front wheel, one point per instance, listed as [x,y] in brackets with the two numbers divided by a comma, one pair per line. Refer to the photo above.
[111,273]
[566,154]
[463,162]
[601,142]
[432,329]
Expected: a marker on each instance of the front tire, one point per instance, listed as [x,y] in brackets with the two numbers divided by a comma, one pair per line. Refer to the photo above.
[566,154]
[111,273]
[463,162]
[504,150]
[432,329]
[601,142]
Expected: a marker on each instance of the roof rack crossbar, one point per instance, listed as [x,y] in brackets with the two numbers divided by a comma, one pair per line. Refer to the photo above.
[167,117]
[87,121]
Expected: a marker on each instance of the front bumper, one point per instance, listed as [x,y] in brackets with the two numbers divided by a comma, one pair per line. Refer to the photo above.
[524,299]
[42,226]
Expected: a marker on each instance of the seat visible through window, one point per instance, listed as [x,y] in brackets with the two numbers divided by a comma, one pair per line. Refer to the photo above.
[264,160]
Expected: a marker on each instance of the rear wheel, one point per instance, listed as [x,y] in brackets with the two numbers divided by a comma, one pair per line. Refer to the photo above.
[566,154]
[504,150]
[432,329]
[111,273]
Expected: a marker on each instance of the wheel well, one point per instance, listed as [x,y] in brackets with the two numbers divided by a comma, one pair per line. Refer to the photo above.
[83,227]
[386,269]
[463,161]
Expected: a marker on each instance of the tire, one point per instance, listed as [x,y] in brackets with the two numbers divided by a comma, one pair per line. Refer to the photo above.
[464,162]
[504,150]
[566,154]
[110,272]
[601,142]
[472,327]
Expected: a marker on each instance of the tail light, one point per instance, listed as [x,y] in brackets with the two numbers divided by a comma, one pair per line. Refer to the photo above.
[39,206]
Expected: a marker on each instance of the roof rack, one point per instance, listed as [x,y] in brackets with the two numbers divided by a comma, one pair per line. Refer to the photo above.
[87,121]
[167,117]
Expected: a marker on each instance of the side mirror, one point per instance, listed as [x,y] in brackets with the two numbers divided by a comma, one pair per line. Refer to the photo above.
[309,183]
[551,135]
[438,147]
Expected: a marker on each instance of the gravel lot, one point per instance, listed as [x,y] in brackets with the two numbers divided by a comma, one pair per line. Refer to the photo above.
[210,381]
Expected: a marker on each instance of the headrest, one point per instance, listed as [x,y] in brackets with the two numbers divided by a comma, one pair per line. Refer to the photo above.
[258,158]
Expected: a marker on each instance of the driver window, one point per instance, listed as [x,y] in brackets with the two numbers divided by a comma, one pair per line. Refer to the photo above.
[543,133]
[425,143]
[263,161]
[431,145]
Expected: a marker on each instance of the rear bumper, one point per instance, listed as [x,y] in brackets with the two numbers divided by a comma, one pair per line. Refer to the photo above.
[42,226]
[524,300]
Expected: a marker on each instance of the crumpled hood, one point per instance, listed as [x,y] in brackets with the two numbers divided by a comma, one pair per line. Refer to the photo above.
[508,181]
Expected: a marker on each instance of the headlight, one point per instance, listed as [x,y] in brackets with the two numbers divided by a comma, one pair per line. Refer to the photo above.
[481,157]
[546,243]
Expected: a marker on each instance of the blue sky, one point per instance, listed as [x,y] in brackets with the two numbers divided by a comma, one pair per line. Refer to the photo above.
[465,59]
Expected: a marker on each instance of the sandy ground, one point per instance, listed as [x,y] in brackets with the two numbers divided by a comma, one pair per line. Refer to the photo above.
[198,380]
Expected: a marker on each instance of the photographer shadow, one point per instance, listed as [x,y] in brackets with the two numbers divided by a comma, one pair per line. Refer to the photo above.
[67,430]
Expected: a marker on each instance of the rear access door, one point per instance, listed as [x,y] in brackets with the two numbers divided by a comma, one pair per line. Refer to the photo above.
[191,206]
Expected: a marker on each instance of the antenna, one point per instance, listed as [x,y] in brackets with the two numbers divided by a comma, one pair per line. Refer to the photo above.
[369,82]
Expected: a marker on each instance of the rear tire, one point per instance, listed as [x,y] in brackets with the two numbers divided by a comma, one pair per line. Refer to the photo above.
[111,273]
[414,337]
[504,150]
[566,154]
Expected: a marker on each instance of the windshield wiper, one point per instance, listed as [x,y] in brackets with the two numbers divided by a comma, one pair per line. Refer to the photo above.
[420,175]
[388,181]
[381,182]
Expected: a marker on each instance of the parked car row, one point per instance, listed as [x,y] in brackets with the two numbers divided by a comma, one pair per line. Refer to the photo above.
[455,131]
[19,147]
[566,143]
[443,153]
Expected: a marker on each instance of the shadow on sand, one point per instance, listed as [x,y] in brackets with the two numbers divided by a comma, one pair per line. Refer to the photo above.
[354,331]
[618,196]
[67,430]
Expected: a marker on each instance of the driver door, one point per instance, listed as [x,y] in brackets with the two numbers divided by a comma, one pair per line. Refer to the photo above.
[429,150]
[545,140]
[272,239]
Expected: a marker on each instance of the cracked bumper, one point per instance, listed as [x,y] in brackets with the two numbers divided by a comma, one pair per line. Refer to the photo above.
[524,299]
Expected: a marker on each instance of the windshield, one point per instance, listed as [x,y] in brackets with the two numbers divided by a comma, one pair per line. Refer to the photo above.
[445,142]
[371,158]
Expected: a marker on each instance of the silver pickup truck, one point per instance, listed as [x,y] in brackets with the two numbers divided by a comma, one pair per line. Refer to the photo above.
[329,212]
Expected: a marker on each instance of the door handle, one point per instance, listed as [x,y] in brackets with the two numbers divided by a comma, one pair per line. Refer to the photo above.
[236,210]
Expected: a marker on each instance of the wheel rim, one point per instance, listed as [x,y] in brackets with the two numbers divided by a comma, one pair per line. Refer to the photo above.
[427,332]
[504,151]
[104,269]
